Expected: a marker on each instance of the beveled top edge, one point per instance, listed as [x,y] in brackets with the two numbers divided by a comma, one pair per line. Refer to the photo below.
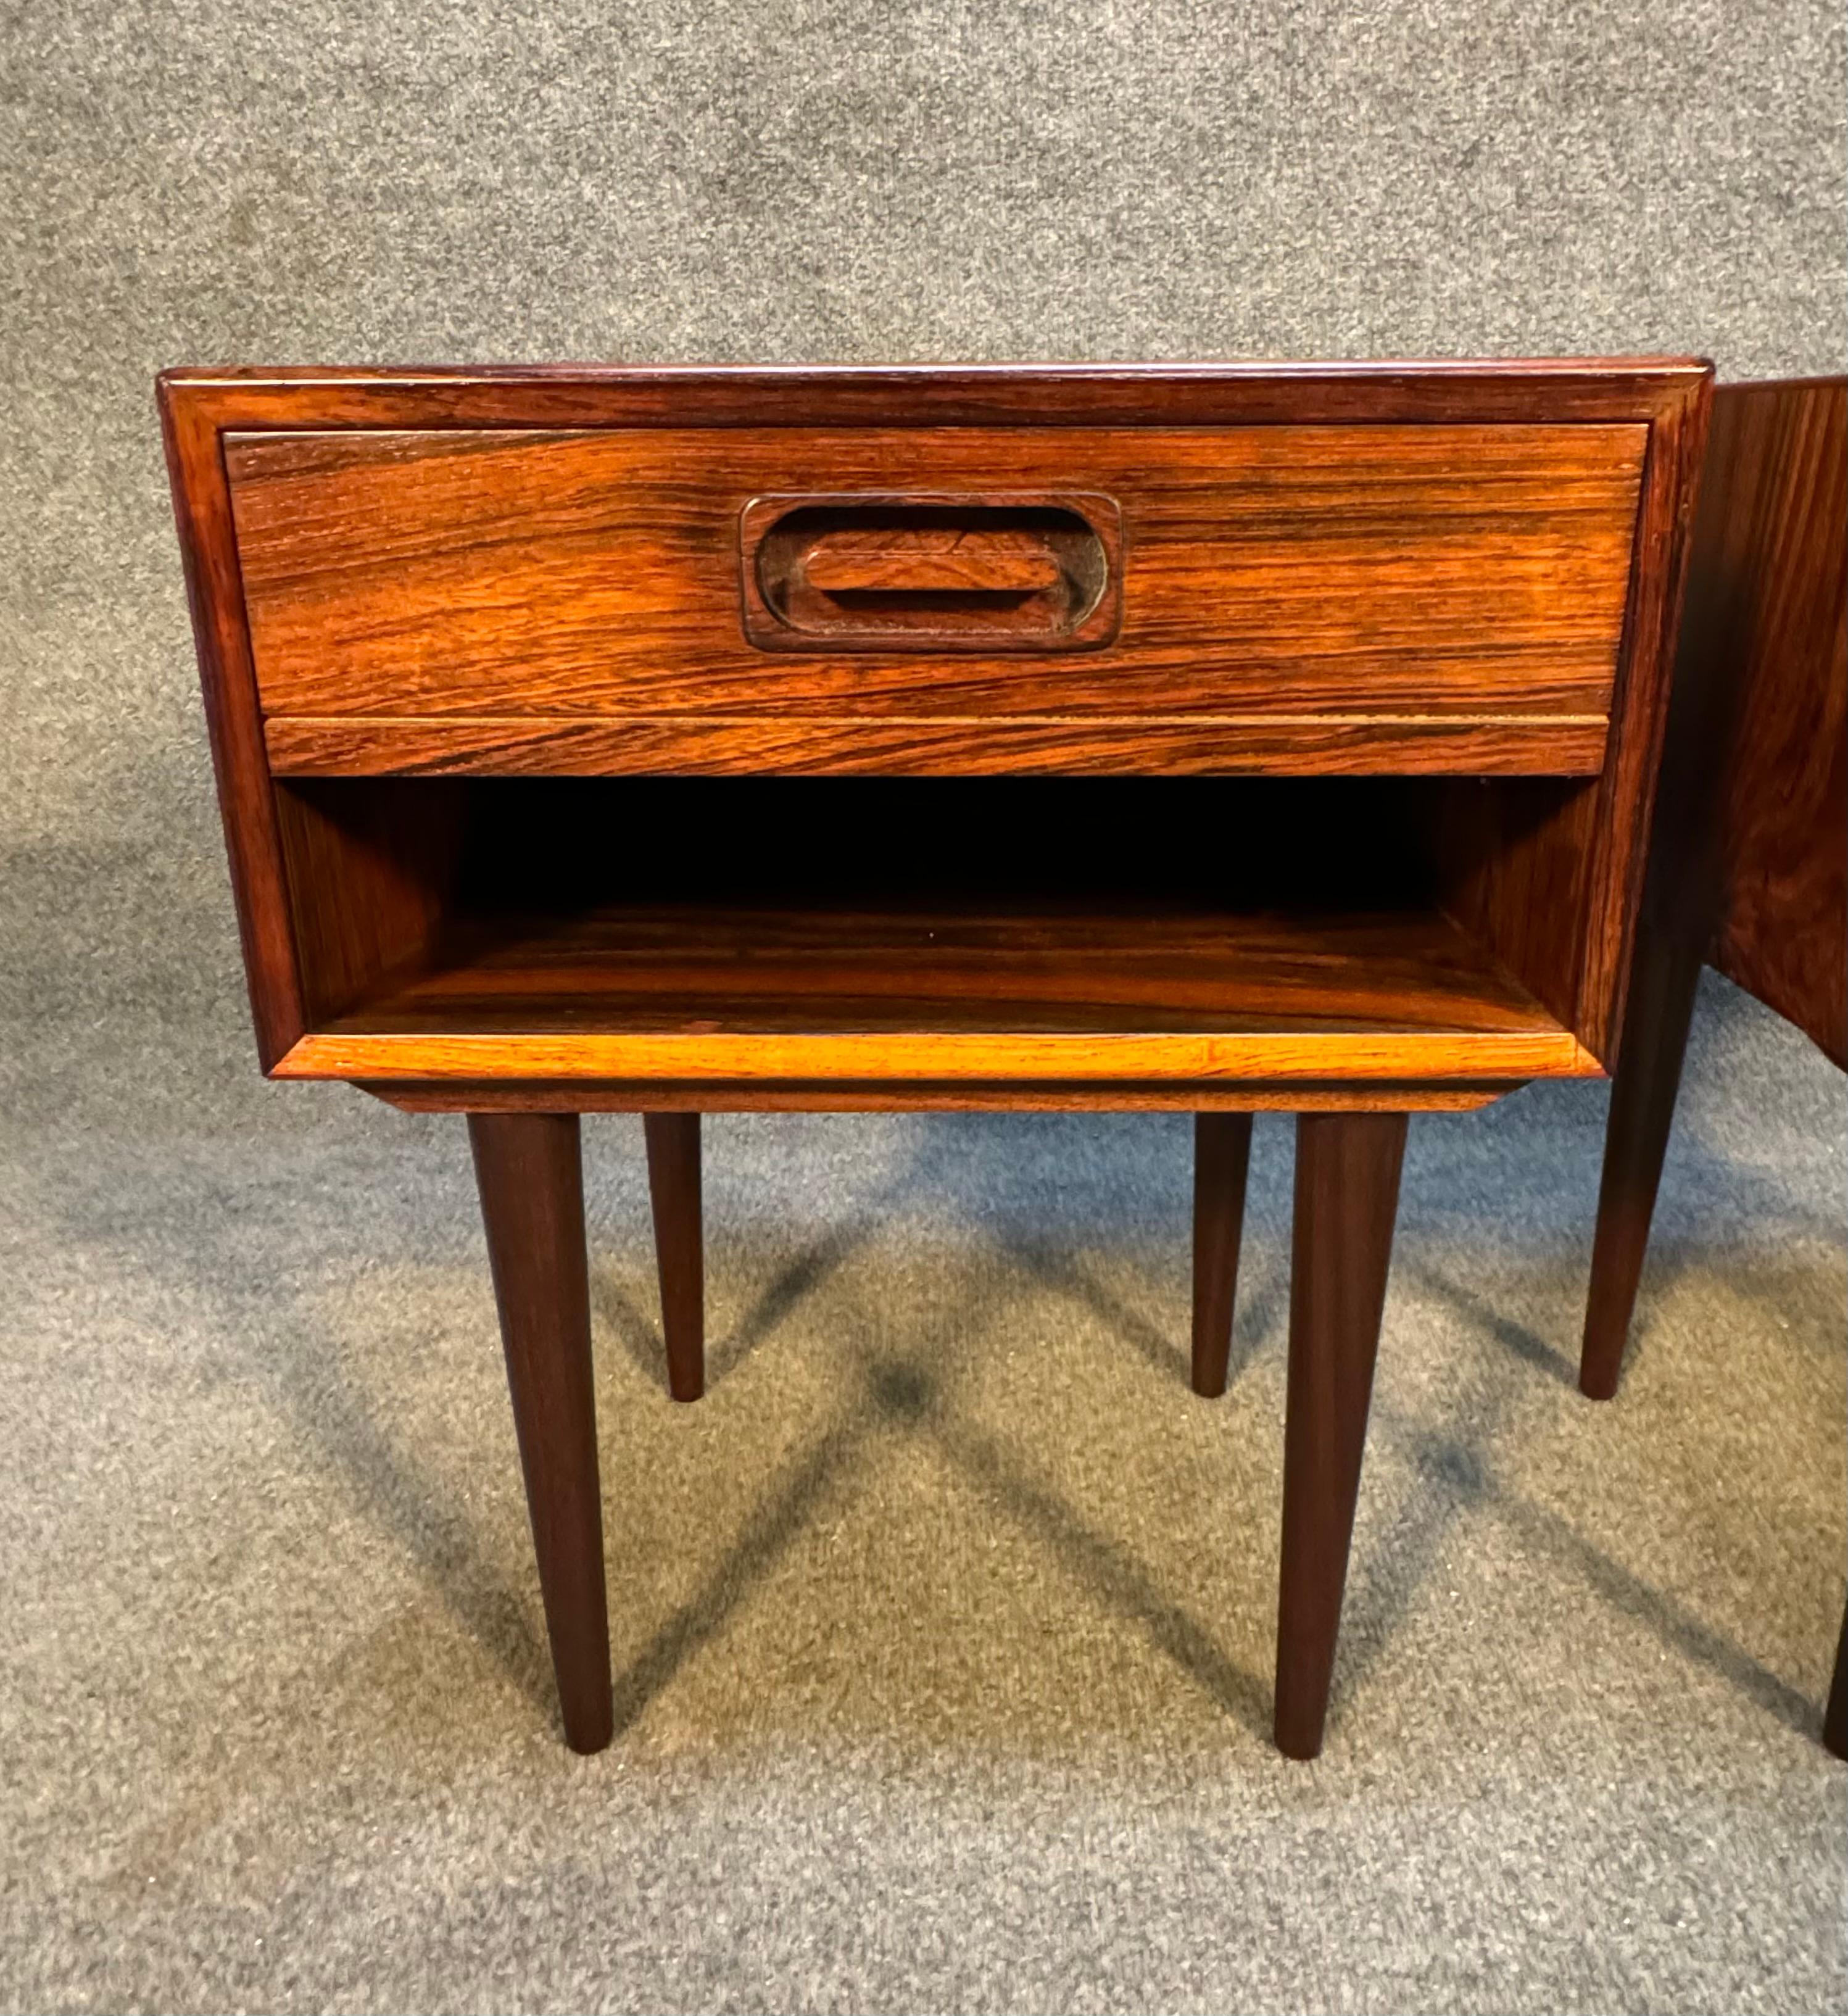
[1138,371]
[298,397]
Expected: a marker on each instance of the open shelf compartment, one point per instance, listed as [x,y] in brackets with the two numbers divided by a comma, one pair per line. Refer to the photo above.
[1117,930]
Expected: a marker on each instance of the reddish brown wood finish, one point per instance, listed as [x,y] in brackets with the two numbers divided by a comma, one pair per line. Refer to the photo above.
[973,571]
[673,1141]
[1748,862]
[691,993]
[528,1169]
[369,882]
[1472,570]
[1749,856]
[939,746]
[1183,395]
[1772,611]
[1221,1157]
[202,510]
[1554,876]
[1347,1196]
[1557,930]
[1469,570]
[921,562]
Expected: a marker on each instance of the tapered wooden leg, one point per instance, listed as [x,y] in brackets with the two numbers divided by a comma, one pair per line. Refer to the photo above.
[1347,1196]
[1666,972]
[1835,1717]
[1221,1157]
[530,1178]
[674,1188]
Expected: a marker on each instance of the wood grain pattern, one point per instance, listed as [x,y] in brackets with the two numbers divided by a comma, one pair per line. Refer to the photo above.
[1614,844]
[369,879]
[1561,952]
[1516,390]
[1551,878]
[695,993]
[1468,569]
[1272,570]
[208,551]
[977,572]
[1770,611]
[936,746]
[1748,857]
[1280,1056]
[1518,859]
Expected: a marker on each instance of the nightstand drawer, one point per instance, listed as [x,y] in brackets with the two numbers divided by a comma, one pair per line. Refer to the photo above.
[1443,596]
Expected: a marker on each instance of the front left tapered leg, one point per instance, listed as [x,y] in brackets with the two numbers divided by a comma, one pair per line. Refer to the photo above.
[528,1169]
[1348,1197]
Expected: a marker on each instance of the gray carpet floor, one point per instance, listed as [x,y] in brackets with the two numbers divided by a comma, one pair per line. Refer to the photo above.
[943,1627]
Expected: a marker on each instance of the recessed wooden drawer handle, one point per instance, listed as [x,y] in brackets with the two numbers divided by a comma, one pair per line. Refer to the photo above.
[946,561]
[1038,572]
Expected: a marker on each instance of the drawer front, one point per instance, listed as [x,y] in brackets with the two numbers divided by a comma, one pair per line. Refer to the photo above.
[1446,572]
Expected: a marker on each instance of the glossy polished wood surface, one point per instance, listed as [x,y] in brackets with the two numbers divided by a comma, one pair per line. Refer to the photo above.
[1551,879]
[234,717]
[976,571]
[694,992]
[717,745]
[1362,571]
[1768,609]
[1346,1199]
[528,1168]
[1434,600]
[1560,932]
[1515,389]
[1748,861]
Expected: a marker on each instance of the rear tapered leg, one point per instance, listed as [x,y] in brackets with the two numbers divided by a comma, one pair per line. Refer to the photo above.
[1665,974]
[674,1189]
[1347,1196]
[1835,1717]
[528,1169]
[1221,1157]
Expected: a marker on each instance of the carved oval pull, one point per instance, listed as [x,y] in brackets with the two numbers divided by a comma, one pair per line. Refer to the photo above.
[1039,573]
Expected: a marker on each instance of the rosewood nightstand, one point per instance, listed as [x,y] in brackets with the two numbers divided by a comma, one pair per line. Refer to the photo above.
[1206,739]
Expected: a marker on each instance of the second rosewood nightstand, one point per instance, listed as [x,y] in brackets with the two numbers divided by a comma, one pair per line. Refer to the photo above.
[1209,739]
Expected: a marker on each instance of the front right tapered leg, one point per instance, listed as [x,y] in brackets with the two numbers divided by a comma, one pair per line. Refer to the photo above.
[528,1169]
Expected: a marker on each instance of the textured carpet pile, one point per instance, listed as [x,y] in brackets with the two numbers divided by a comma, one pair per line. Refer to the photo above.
[943,1627]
